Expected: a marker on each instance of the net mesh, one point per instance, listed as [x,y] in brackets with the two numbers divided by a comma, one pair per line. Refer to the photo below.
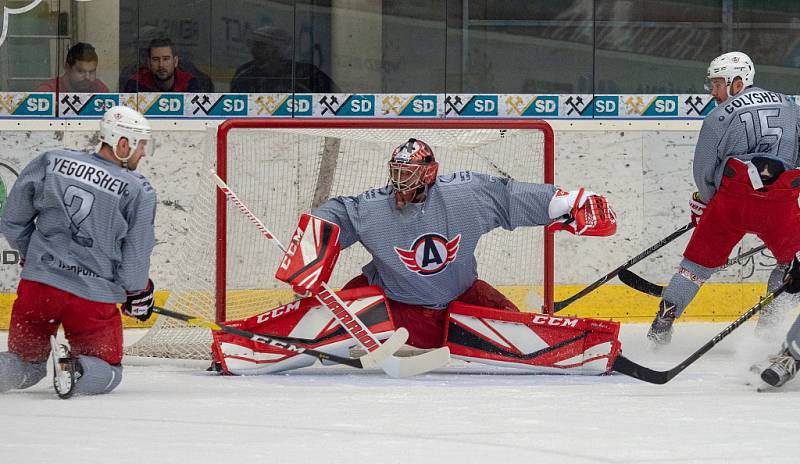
[280,173]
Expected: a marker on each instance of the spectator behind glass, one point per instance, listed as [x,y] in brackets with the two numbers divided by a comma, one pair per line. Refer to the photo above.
[80,70]
[146,35]
[271,67]
[162,73]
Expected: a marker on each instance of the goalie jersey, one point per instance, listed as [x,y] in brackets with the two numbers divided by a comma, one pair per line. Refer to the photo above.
[424,254]
[754,123]
[83,225]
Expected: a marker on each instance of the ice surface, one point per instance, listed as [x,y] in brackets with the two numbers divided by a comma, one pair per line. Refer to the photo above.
[465,413]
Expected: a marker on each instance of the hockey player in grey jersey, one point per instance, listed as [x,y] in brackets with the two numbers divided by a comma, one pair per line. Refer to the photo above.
[747,182]
[83,224]
[422,230]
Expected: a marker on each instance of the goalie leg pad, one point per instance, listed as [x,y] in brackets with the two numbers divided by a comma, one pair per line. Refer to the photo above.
[308,323]
[16,374]
[537,342]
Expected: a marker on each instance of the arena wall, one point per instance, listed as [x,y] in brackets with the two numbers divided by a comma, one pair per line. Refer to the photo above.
[644,167]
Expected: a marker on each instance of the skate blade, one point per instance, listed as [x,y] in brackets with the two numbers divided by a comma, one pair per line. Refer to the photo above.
[63,381]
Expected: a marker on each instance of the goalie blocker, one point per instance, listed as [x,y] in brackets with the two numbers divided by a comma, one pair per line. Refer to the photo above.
[544,344]
[311,256]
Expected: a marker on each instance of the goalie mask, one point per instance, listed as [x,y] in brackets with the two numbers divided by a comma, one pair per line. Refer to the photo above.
[412,169]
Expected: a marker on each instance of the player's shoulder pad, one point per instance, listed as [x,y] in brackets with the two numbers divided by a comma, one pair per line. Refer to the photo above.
[456,178]
[375,194]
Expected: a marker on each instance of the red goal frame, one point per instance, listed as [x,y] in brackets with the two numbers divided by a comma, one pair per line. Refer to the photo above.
[323,123]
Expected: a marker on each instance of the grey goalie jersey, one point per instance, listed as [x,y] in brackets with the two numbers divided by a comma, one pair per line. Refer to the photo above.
[425,253]
[83,225]
[756,122]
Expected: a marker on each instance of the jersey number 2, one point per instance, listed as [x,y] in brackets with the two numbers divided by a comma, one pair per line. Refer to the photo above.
[79,204]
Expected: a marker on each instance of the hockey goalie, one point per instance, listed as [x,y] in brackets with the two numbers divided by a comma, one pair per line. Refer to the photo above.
[421,231]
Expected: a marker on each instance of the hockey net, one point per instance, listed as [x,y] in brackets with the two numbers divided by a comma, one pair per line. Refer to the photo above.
[281,168]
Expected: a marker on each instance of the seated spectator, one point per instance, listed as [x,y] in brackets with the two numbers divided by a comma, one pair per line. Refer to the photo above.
[270,71]
[142,44]
[162,73]
[80,70]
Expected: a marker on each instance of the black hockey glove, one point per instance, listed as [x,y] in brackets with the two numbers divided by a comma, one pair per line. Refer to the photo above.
[140,304]
[793,277]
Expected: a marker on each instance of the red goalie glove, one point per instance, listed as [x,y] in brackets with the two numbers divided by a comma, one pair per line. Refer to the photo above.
[581,212]
[311,255]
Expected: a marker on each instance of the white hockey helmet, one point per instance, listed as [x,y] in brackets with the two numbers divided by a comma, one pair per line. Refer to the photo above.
[730,66]
[123,122]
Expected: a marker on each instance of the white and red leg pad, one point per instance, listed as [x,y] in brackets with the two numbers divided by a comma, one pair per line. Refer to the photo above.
[538,342]
[306,320]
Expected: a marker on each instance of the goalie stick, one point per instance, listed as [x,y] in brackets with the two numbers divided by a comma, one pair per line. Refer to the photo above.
[288,344]
[559,305]
[643,285]
[625,366]
[392,365]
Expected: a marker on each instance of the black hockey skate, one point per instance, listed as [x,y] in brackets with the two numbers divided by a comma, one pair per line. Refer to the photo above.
[783,369]
[66,370]
[660,331]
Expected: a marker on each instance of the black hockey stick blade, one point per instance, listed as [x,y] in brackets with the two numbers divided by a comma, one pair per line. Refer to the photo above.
[559,305]
[643,285]
[278,342]
[625,366]
[639,283]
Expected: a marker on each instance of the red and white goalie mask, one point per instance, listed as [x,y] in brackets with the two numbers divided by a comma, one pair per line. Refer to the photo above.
[412,169]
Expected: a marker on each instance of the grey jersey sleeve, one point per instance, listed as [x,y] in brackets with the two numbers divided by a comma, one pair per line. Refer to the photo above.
[137,246]
[342,211]
[17,223]
[707,159]
[509,204]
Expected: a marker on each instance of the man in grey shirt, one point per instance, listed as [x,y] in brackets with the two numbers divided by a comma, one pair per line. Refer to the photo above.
[83,225]
[747,182]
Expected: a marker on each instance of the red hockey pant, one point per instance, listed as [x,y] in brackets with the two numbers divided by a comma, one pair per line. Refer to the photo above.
[426,327]
[772,213]
[92,328]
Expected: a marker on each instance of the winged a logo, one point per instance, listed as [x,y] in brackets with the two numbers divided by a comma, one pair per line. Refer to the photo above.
[429,254]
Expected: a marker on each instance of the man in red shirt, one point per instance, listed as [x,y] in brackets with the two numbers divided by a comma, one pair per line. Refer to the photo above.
[162,73]
[80,73]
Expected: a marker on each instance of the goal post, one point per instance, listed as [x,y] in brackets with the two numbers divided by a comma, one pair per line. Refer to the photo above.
[283,167]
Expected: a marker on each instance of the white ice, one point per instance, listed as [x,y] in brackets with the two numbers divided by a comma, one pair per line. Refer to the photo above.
[462,414]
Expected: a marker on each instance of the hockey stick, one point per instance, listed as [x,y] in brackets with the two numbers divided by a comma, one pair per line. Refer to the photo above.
[625,366]
[559,305]
[392,365]
[371,359]
[643,285]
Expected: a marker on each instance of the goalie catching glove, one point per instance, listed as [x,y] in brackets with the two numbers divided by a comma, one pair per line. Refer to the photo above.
[582,212]
[311,256]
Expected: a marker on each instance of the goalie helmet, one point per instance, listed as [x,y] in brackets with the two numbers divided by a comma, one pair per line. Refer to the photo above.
[412,169]
[730,66]
[122,122]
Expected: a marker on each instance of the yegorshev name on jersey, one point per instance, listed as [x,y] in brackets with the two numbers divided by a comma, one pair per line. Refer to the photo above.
[89,174]
[753,99]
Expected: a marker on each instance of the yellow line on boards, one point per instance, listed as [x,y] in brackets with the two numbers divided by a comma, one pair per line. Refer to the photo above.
[716,302]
